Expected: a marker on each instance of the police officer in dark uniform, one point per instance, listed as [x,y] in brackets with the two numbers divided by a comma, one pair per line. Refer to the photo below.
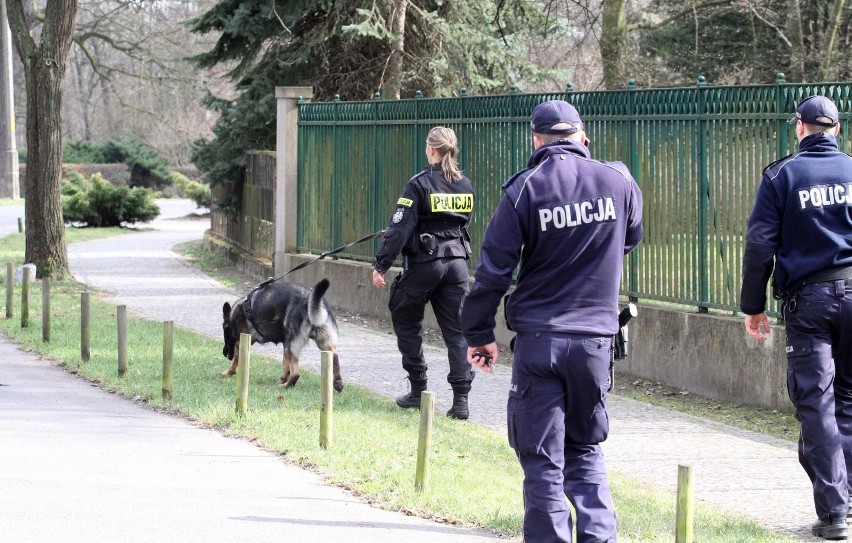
[569,220]
[429,228]
[801,226]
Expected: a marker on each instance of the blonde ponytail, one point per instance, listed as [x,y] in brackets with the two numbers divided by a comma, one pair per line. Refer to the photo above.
[443,141]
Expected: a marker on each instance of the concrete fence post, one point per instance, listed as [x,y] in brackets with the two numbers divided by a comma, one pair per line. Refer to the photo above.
[286,171]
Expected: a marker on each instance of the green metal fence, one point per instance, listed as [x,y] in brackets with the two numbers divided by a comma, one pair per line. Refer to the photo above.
[696,152]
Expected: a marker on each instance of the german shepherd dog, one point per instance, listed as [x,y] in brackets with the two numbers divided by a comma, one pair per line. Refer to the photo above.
[286,313]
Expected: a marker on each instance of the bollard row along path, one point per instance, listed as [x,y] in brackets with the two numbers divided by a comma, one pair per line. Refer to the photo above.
[741,471]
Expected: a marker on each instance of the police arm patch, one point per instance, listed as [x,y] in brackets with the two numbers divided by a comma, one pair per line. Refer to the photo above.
[397,215]
[404,202]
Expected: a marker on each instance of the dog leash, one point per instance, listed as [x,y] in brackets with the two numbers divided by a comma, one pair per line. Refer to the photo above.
[307,263]
[247,305]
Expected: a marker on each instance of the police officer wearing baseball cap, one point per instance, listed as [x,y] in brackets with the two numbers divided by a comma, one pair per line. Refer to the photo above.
[801,227]
[568,220]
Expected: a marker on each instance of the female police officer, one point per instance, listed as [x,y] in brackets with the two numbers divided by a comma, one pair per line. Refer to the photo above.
[429,227]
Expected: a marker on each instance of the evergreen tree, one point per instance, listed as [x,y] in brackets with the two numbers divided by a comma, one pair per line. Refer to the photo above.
[349,48]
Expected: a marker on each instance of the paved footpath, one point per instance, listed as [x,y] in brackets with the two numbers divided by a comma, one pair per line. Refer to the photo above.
[734,469]
[78,464]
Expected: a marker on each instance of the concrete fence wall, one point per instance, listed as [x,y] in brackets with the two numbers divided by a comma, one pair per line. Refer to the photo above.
[708,355]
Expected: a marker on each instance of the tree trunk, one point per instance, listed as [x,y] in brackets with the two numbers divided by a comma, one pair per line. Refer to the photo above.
[614,43]
[44,71]
[827,70]
[395,61]
[794,33]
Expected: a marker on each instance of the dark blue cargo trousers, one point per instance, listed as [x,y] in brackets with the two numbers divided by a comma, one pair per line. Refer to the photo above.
[819,382]
[556,419]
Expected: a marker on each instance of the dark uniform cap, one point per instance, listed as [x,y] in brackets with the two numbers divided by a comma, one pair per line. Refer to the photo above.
[816,110]
[555,117]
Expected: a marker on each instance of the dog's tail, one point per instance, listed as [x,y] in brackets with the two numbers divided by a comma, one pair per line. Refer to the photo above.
[316,310]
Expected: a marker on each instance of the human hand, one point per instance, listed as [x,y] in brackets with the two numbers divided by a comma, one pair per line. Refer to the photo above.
[378,279]
[757,326]
[477,356]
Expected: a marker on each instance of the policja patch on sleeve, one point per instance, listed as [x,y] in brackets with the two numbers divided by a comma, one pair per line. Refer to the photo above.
[397,215]
[404,202]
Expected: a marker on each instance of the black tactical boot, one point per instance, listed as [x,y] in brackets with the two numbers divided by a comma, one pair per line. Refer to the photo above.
[834,529]
[459,409]
[412,399]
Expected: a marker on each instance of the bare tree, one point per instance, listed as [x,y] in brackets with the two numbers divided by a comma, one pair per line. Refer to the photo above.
[797,44]
[131,77]
[829,45]
[614,52]
[44,69]
[393,73]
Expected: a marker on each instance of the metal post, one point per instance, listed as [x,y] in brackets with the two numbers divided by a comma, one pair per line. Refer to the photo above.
[703,197]
[9,187]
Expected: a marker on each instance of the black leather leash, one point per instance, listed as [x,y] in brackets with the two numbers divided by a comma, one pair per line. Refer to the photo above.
[247,304]
[307,263]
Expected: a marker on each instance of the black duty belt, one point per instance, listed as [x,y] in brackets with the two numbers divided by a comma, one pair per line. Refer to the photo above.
[832,274]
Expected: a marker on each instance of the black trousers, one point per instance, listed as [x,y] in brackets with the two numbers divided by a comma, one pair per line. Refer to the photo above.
[444,284]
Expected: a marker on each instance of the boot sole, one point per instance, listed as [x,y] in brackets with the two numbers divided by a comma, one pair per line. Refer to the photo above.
[831,533]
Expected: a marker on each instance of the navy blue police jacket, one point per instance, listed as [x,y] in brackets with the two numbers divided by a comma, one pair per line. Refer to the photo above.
[428,204]
[569,220]
[801,222]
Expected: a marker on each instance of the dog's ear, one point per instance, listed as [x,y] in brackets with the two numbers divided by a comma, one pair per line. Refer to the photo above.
[226,311]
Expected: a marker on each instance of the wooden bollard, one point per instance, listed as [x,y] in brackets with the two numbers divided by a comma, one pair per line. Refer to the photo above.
[168,355]
[45,309]
[424,445]
[326,399]
[243,374]
[121,317]
[84,327]
[10,288]
[685,511]
[20,225]
[25,299]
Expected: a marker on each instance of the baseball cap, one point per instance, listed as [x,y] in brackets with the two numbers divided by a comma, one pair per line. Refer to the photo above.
[817,110]
[555,117]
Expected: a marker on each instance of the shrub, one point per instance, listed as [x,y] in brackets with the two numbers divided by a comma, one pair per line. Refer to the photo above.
[82,152]
[147,166]
[195,191]
[96,202]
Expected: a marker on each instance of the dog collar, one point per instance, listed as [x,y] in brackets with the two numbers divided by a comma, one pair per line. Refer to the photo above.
[249,314]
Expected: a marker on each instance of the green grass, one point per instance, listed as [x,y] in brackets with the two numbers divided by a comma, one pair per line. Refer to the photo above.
[475,478]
